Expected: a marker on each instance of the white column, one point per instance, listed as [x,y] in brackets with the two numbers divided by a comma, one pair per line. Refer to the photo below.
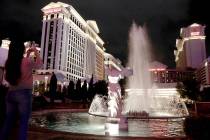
[58,44]
[53,43]
[42,39]
[46,45]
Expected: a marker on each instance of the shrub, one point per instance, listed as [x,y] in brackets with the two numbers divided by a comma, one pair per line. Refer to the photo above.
[3,91]
[197,128]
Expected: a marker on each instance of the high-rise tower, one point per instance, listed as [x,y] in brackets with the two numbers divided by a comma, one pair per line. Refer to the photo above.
[191,50]
[70,45]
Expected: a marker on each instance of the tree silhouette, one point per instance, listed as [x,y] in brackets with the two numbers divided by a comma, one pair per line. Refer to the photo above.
[91,90]
[65,90]
[71,90]
[205,94]
[189,88]
[78,90]
[53,87]
[84,91]
[197,127]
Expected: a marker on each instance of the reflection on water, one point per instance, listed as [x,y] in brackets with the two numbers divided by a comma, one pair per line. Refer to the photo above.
[87,124]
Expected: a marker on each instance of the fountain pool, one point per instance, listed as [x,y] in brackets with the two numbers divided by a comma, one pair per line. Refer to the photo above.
[83,123]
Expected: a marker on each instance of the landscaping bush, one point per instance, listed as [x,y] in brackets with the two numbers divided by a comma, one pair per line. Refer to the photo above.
[39,102]
[197,128]
[189,88]
[3,91]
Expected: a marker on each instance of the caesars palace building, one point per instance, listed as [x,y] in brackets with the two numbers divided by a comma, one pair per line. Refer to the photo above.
[70,45]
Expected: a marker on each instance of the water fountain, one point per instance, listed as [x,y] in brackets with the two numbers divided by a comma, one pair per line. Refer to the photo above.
[143,99]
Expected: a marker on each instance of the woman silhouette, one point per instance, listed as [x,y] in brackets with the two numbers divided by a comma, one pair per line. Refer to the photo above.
[18,73]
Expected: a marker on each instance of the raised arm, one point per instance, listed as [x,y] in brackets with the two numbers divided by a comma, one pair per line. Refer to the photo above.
[37,64]
[127,71]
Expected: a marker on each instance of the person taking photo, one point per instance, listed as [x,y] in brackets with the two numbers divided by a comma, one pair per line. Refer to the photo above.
[18,73]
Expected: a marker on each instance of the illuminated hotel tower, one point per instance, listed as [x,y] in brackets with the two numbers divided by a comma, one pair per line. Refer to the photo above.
[191,50]
[70,45]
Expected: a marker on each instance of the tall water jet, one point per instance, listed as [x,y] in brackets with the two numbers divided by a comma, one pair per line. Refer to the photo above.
[139,57]
[140,82]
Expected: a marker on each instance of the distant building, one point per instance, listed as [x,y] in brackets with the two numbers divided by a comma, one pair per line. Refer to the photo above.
[191,50]
[203,72]
[163,76]
[5,43]
[112,62]
[70,45]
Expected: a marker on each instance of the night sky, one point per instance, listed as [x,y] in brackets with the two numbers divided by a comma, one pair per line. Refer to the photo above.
[22,20]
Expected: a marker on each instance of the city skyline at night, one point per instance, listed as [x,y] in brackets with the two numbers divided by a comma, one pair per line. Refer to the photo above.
[163,20]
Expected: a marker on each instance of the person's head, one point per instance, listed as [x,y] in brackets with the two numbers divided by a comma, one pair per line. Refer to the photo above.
[13,63]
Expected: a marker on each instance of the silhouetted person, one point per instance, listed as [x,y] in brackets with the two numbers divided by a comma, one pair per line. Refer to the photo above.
[19,97]
[53,87]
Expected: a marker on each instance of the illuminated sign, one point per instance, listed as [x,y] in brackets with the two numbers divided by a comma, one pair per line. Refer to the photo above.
[52,10]
[158,69]
[195,31]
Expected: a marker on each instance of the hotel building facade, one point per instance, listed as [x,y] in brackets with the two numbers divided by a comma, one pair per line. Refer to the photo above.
[112,62]
[191,50]
[70,45]
[165,78]
[203,72]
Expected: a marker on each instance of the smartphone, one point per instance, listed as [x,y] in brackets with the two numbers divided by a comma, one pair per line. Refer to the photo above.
[33,43]
[28,44]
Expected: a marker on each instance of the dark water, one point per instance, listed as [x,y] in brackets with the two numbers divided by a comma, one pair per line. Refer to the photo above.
[87,124]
